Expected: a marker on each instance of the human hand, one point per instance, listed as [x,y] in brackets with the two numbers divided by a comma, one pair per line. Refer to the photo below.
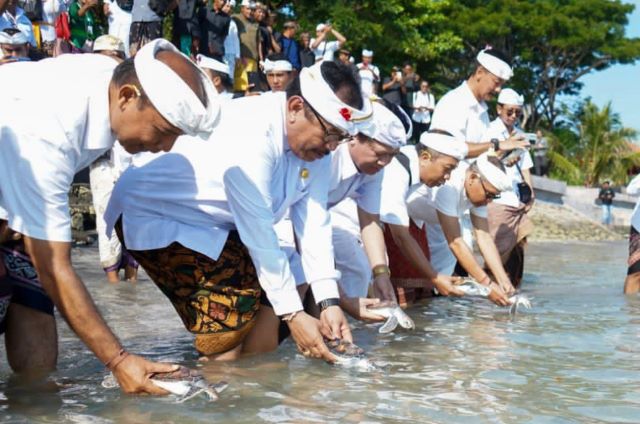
[498,296]
[446,285]
[506,287]
[516,141]
[357,308]
[382,287]
[529,205]
[134,373]
[335,324]
[306,332]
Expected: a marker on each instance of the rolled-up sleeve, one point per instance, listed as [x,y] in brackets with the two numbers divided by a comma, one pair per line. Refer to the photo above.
[247,186]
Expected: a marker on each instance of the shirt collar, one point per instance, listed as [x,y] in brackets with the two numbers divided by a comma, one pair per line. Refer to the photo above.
[98,134]
[470,100]
[347,167]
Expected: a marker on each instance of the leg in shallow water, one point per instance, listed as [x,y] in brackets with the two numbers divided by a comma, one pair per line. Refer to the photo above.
[31,340]
[632,283]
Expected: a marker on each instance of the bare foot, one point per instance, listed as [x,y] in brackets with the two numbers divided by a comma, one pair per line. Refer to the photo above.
[113,277]
[131,274]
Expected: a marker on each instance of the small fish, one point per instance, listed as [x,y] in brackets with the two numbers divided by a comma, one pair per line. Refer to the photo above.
[349,355]
[471,287]
[394,315]
[184,383]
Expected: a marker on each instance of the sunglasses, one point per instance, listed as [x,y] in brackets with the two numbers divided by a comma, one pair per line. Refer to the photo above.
[487,194]
[515,112]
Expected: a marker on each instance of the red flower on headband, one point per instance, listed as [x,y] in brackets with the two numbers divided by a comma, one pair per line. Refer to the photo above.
[346,113]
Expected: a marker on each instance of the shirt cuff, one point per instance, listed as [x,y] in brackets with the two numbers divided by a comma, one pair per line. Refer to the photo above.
[285,302]
[325,289]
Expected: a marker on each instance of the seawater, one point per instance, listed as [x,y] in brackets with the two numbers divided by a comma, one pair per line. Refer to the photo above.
[573,358]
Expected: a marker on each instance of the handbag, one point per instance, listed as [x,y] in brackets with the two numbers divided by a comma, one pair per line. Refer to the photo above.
[524,191]
[63,30]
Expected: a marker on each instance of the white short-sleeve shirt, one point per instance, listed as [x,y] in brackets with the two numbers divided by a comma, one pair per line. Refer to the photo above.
[498,130]
[461,114]
[369,74]
[48,132]
[325,50]
[397,186]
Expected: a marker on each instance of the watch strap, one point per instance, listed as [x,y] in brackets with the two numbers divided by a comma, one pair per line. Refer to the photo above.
[332,301]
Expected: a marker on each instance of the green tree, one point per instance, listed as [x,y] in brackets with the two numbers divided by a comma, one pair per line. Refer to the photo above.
[553,43]
[597,146]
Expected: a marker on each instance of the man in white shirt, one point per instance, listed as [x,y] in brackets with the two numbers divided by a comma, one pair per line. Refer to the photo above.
[217,204]
[119,21]
[412,174]
[278,70]
[463,111]
[423,105]
[632,280]
[323,48]
[220,75]
[369,74]
[469,189]
[232,40]
[508,221]
[144,103]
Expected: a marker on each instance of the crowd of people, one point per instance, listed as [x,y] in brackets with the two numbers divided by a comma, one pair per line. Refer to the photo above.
[255,229]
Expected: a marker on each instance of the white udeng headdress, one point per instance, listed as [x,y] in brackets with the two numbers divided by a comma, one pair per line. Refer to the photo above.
[171,96]
[210,63]
[509,96]
[322,98]
[15,39]
[493,174]
[276,66]
[445,144]
[497,67]
[385,127]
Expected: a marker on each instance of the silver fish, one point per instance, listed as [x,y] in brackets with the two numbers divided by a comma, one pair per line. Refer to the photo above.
[471,287]
[517,301]
[349,355]
[394,315]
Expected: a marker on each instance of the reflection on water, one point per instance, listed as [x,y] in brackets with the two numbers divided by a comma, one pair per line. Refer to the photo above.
[572,358]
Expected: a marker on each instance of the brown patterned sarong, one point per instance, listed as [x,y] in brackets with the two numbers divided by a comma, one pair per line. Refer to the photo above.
[408,283]
[217,300]
[634,252]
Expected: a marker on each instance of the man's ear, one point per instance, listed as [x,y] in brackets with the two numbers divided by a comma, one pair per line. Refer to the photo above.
[295,105]
[127,93]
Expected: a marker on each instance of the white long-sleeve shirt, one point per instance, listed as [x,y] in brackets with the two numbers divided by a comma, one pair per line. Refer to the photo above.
[633,189]
[244,177]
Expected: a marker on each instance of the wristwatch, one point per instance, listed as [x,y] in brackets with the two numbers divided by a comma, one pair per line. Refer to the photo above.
[332,301]
[496,144]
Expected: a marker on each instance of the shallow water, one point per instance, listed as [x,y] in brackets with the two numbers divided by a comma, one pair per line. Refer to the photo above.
[573,358]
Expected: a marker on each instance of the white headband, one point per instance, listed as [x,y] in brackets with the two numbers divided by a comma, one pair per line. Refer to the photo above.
[15,39]
[496,66]
[367,53]
[209,63]
[276,66]
[509,96]
[385,127]
[322,98]
[171,96]
[445,144]
[493,174]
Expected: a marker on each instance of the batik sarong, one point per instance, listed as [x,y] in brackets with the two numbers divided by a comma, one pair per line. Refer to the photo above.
[217,300]
[634,252]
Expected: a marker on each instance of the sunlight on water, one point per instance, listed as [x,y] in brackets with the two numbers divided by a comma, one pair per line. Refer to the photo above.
[573,358]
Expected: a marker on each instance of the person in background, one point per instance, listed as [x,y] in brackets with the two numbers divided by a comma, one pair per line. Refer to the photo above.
[289,45]
[146,25]
[540,159]
[14,46]
[632,281]
[220,75]
[606,196]
[509,224]
[323,48]
[307,56]
[393,87]
[12,16]
[214,28]
[369,74]
[411,80]
[249,41]
[423,105]
[268,43]
[51,9]
[279,72]
[232,41]
[85,28]
[186,28]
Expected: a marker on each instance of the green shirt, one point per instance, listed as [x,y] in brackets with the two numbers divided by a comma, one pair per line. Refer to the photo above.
[83,28]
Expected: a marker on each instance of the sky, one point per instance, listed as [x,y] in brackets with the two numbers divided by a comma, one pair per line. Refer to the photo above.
[619,84]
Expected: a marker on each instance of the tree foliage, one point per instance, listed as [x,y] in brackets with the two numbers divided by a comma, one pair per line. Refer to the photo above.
[596,146]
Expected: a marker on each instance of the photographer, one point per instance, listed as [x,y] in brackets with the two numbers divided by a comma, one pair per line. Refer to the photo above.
[508,222]
[393,87]
[322,48]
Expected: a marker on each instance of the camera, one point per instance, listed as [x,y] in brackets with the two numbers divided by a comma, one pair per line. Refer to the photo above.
[531,137]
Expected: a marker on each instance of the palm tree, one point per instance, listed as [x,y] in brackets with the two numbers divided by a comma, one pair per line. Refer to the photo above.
[597,147]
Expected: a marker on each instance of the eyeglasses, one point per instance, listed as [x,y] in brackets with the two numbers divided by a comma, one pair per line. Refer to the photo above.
[382,156]
[487,194]
[516,112]
[329,138]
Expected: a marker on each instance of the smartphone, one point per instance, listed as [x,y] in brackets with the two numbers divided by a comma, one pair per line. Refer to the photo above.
[399,74]
[512,155]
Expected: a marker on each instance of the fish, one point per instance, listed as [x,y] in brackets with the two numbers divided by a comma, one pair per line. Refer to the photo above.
[394,315]
[187,384]
[471,287]
[349,355]
[184,383]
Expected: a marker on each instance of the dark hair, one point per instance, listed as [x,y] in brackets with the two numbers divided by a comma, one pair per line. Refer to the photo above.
[277,56]
[125,73]
[344,82]
[290,25]
[11,31]
[399,113]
